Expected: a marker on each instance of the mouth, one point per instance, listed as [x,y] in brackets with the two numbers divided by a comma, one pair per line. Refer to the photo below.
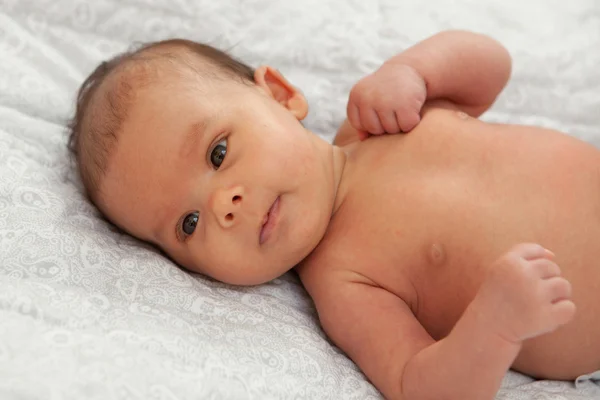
[269,222]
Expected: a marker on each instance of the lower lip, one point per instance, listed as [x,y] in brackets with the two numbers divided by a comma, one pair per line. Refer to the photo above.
[268,227]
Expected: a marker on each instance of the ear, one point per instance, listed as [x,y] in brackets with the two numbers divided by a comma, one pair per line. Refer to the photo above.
[275,85]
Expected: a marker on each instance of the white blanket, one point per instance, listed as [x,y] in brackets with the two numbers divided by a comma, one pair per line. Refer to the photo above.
[88,313]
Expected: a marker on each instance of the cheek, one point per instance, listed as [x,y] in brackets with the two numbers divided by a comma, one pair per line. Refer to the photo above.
[229,260]
[222,259]
[292,159]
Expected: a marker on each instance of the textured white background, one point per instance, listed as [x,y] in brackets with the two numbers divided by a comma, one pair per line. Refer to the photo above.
[87,313]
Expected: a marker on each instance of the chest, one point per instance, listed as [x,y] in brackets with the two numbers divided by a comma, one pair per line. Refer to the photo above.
[433,257]
[426,220]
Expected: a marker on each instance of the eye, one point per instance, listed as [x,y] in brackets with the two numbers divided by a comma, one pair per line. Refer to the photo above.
[188,225]
[217,154]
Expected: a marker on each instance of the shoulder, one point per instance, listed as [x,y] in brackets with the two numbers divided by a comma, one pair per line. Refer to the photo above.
[328,267]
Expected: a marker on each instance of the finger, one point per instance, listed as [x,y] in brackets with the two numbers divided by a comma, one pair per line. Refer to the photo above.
[370,121]
[558,289]
[408,121]
[545,268]
[362,135]
[532,251]
[563,311]
[388,121]
[354,116]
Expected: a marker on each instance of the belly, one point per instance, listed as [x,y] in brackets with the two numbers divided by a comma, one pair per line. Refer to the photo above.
[461,193]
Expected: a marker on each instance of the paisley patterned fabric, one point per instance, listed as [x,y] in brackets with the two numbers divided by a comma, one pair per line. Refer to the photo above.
[87,312]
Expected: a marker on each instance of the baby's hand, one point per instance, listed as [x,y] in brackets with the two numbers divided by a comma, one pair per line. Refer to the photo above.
[524,295]
[387,101]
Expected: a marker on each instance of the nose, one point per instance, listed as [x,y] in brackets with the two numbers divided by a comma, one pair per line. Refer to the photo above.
[226,205]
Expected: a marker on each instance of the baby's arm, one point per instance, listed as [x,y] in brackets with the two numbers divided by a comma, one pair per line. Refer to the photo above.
[523,296]
[380,333]
[466,68]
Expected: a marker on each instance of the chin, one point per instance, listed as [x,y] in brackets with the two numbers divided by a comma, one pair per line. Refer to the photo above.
[281,263]
[308,238]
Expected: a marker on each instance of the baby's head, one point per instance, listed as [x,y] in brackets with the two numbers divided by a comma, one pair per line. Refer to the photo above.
[185,147]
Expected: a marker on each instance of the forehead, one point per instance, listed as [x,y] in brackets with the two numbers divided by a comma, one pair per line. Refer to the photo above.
[146,169]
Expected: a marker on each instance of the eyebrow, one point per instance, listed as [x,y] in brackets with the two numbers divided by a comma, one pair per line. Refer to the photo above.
[188,145]
[193,135]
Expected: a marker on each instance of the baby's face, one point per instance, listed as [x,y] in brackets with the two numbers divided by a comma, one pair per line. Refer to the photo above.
[222,177]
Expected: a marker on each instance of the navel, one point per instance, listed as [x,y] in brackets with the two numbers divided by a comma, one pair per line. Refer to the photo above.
[436,254]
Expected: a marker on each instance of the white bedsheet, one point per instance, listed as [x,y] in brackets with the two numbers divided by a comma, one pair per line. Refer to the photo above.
[88,313]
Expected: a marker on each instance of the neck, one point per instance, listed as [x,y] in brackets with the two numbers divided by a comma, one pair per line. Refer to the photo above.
[339,167]
[337,157]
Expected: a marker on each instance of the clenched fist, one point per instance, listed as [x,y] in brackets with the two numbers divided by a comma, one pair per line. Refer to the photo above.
[524,294]
[387,101]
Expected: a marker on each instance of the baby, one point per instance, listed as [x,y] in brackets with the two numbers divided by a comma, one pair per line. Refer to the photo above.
[432,257]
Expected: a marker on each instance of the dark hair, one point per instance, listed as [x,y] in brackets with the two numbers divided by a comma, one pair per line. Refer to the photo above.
[104,98]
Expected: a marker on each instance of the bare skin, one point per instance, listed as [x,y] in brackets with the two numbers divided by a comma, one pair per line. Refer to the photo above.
[470,196]
[425,253]
[465,193]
